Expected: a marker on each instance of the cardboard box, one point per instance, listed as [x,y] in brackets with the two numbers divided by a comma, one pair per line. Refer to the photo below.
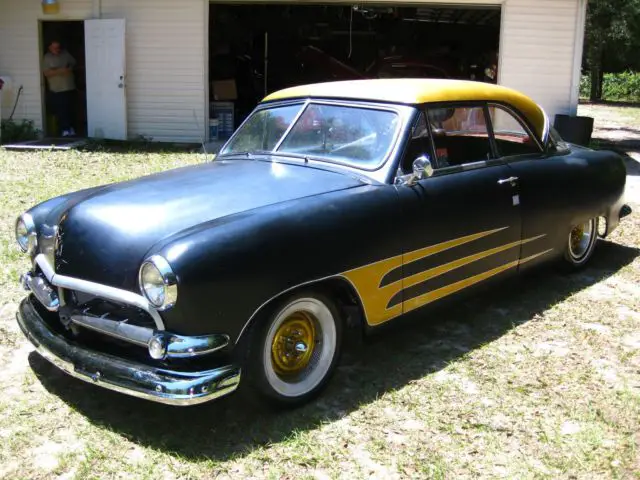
[222,90]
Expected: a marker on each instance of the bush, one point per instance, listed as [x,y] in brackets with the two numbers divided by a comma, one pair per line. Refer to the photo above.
[616,87]
[13,131]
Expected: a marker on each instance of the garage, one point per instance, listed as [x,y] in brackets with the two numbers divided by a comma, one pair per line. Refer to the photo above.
[191,70]
[255,49]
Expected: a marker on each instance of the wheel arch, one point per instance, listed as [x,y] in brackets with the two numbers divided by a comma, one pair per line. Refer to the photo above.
[337,287]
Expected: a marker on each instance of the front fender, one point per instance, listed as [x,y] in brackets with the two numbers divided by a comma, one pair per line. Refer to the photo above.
[227,269]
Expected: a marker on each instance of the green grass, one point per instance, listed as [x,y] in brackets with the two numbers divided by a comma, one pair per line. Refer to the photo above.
[539,379]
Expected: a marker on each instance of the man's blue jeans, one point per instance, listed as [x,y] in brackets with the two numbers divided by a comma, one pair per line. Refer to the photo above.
[63,104]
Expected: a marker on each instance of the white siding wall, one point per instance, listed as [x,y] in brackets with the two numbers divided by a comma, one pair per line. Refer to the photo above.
[166,42]
[537,51]
[166,68]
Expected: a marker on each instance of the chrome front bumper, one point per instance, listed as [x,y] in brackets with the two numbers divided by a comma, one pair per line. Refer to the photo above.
[125,376]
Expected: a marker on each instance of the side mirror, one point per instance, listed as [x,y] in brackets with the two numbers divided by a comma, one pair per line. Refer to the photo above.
[422,169]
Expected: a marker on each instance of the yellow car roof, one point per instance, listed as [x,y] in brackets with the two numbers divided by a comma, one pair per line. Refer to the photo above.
[416,92]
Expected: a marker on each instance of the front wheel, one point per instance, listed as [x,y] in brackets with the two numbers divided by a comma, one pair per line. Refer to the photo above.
[295,351]
[581,243]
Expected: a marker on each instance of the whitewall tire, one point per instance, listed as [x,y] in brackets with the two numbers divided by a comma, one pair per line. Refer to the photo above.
[581,243]
[295,350]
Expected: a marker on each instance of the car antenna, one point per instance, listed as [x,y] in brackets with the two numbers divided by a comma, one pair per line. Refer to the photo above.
[204,147]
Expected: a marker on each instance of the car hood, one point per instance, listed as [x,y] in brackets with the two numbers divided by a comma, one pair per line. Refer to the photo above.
[104,234]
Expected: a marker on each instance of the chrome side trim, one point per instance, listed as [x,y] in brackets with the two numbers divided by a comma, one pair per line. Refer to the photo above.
[99,290]
[131,378]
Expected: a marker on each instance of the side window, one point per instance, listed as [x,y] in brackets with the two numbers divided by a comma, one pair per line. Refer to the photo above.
[460,135]
[512,138]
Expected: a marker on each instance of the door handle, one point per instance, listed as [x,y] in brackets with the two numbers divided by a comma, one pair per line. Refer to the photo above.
[511,180]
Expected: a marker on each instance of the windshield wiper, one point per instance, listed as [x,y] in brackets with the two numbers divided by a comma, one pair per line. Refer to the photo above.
[248,153]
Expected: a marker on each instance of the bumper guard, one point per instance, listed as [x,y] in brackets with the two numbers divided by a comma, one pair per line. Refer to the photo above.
[125,376]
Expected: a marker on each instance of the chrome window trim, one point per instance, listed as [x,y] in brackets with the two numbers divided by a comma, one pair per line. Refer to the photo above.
[546,130]
[305,105]
[302,102]
[99,290]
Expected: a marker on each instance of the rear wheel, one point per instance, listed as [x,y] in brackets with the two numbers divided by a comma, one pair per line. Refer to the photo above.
[581,243]
[295,351]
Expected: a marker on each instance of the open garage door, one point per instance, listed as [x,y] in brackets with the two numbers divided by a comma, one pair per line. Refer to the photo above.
[257,49]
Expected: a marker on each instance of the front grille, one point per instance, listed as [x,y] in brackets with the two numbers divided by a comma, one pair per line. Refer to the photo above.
[86,304]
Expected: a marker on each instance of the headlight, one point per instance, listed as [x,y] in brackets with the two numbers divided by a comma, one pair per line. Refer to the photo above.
[158,283]
[26,233]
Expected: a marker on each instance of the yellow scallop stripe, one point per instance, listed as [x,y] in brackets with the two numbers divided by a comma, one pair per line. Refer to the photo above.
[366,280]
[375,299]
[439,293]
[448,267]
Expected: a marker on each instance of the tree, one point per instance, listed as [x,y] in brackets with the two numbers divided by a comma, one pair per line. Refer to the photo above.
[613,28]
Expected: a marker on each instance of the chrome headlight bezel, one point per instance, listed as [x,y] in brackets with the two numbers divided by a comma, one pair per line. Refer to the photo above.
[167,282]
[25,232]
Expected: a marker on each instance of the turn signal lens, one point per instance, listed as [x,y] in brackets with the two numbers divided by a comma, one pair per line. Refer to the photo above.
[157,347]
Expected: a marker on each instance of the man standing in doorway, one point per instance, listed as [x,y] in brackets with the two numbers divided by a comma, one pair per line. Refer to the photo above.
[57,66]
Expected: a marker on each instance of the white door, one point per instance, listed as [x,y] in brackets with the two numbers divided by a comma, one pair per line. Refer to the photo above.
[106,79]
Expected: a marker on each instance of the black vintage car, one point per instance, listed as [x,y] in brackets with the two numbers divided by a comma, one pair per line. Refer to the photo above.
[334,206]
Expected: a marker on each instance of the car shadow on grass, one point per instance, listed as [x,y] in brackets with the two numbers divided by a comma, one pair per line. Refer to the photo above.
[234,426]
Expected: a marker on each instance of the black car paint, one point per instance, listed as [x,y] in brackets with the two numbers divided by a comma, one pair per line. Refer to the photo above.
[437,206]
[559,191]
[286,226]
[229,270]
[107,232]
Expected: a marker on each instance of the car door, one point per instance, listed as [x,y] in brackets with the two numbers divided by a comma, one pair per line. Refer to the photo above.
[463,224]
[547,186]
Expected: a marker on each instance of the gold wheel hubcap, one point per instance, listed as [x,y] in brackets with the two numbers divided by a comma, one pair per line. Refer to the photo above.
[293,344]
[576,237]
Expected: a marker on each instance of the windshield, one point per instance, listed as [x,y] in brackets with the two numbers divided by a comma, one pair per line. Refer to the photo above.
[350,135]
[263,129]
